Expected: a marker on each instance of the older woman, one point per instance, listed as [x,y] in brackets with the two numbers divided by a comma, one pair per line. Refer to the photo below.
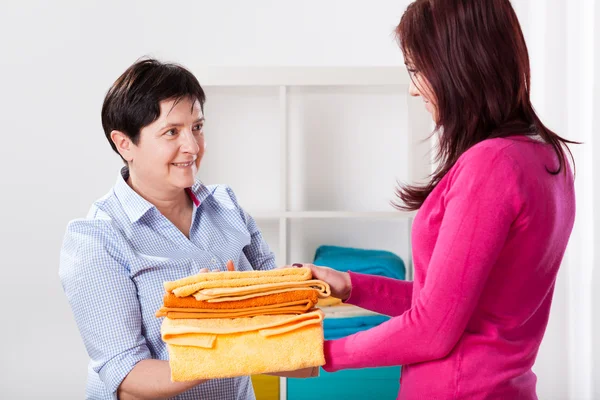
[158,223]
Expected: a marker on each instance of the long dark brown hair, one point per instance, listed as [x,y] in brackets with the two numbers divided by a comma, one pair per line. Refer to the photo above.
[474,56]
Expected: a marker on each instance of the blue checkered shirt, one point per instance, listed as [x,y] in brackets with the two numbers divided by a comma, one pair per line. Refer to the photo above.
[113,264]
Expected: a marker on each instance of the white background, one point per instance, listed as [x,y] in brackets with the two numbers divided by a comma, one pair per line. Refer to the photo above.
[59,58]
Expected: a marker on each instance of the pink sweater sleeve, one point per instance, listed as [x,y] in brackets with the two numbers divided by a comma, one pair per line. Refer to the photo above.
[480,203]
[369,290]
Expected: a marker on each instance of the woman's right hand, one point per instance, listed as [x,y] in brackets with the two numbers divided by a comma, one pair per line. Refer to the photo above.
[338,281]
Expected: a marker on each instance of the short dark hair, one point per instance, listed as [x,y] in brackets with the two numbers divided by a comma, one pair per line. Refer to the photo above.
[133,101]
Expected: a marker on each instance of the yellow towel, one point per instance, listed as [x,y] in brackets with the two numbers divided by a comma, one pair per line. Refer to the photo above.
[246,292]
[187,286]
[172,328]
[292,307]
[220,348]
[172,301]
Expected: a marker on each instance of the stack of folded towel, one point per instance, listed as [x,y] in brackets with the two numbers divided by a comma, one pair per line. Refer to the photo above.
[225,324]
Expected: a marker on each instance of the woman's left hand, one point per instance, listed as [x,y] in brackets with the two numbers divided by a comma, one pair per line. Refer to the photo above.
[339,282]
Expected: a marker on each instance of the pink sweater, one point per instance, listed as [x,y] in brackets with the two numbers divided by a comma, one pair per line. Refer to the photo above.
[487,245]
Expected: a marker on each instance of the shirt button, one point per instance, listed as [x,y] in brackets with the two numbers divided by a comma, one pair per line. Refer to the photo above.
[214,260]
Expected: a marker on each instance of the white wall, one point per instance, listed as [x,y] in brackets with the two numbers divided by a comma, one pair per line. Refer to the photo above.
[595,165]
[59,58]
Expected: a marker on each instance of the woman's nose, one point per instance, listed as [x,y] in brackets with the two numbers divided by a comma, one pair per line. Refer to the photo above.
[412,89]
[189,145]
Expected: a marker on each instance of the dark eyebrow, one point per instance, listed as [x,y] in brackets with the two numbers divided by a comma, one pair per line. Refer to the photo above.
[199,120]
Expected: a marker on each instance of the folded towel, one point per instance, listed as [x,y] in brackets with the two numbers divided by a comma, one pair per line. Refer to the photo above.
[248,354]
[220,348]
[174,314]
[172,301]
[248,292]
[374,262]
[192,284]
[211,299]
[267,325]
[292,307]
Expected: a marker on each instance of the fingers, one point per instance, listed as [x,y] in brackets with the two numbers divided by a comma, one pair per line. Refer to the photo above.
[305,265]
[230,266]
[203,270]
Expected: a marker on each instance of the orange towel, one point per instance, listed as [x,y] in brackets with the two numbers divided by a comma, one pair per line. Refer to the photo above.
[172,301]
[290,307]
[184,313]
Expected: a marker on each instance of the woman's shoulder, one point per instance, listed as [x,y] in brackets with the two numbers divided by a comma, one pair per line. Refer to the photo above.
[514,155]
[89,241]
[493,164]
[502,156]
[93,233]
[506,147]
[96,228]
[490,149]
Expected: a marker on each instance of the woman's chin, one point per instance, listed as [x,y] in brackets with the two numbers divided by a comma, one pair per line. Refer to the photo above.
[183,177]
[183,182]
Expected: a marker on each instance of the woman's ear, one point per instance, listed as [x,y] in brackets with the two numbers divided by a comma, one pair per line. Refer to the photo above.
[123,144]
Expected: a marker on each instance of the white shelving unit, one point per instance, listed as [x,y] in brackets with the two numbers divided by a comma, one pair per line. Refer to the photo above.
[314,153]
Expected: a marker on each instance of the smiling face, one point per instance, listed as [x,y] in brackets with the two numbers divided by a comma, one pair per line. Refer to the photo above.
[169,150]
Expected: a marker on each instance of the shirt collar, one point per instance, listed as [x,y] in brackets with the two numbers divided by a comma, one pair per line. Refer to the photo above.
[136,206]
[200,192]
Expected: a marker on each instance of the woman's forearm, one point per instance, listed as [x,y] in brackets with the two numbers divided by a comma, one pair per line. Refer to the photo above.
[380,294]
[151,379]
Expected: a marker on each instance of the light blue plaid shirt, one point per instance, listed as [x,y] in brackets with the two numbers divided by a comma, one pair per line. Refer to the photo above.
[114,262]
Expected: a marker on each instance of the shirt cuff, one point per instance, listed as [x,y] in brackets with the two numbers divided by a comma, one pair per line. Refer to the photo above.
[114,371]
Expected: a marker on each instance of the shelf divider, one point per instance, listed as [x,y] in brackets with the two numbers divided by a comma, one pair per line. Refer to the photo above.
[283,197]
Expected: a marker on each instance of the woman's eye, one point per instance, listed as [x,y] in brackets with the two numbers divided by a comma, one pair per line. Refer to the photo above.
[197,127]
[171,132]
